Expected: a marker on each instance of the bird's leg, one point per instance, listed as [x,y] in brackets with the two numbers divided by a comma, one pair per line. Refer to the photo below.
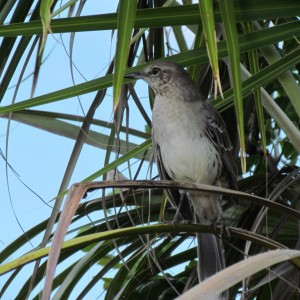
[179,206]
[221,222]
[224,229]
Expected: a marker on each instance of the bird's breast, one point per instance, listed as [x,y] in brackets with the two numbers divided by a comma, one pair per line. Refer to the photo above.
[187,153]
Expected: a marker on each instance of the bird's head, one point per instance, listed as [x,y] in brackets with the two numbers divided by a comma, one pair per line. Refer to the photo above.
[163,75]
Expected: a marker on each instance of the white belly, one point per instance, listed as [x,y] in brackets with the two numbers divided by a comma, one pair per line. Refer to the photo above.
[191,160]
[187,154]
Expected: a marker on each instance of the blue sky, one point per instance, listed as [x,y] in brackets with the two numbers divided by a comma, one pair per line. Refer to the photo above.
[32,152]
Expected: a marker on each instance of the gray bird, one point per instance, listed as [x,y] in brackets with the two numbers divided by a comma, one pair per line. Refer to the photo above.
[191,145]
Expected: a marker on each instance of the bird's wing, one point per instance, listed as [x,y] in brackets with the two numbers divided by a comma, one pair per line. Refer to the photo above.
[172,195]
[216,131]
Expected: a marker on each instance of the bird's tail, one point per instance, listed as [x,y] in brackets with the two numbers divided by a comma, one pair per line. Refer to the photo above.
[211,257]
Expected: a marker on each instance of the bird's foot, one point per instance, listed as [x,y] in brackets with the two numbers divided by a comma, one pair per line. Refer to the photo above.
[224,231]
[181,221]
[178,219]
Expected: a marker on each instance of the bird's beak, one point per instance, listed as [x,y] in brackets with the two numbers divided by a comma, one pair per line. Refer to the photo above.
[136,75]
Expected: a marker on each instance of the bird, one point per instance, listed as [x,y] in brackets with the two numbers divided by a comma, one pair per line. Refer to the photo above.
[191,145]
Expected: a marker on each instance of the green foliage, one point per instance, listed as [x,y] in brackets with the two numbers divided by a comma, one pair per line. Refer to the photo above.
[104,238]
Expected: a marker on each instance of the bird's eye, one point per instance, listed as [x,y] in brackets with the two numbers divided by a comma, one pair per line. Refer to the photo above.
[155,70]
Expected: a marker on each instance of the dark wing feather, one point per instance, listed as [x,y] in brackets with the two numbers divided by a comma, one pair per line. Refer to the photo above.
[216,131]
